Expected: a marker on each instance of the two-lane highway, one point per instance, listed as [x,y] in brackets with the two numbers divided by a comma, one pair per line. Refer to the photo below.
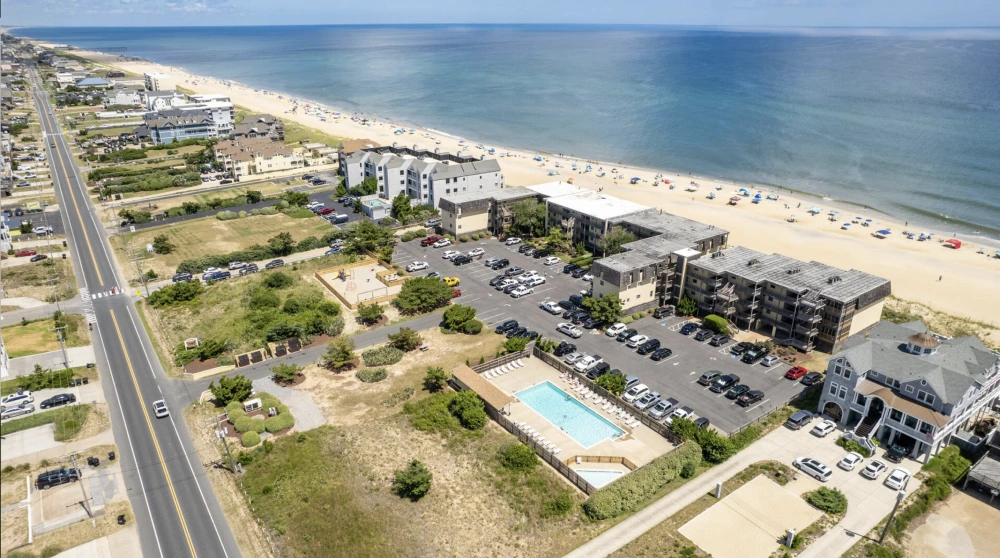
[174,505]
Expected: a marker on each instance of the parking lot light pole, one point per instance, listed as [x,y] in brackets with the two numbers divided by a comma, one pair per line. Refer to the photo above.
[899,498]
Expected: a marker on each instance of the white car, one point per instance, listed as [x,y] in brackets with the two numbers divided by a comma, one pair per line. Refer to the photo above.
[897,478]
[442,243]
[569,329]
[637,340]
[588,278]
[534,281]
[587,362]
[813,468]
[683,412]
[770,360]
[236,265]
[572,358]
[416,266]
[551,260]
[42,230]
[512,241]
[635,392]
[313,204]
[476,252]
[551,307]
[850,461]
[521,291]
[824,428]
[16,400]
[449,254]
[614,330]
[873,469]
[160,408]
[211,270]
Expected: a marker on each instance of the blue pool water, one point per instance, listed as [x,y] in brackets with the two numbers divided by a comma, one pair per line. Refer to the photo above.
[571,416]
[599,478]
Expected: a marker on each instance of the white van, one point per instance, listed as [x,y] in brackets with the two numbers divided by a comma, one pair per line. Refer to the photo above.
[813,468]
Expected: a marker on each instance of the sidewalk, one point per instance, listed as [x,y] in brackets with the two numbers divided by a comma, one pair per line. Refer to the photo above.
[77,356]
[122,543]
[33,309]
[11,457]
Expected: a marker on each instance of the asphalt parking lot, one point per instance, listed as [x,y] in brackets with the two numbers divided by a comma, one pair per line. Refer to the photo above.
[672,377]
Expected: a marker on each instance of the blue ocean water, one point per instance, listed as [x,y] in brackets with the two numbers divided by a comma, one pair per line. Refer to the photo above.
[907,122]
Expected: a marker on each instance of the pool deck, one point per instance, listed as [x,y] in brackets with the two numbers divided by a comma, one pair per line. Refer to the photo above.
[640,445]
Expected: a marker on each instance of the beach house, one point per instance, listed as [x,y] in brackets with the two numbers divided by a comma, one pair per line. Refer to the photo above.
[168,126]
[122,96]
[906,387]
[159,82]
[162,100]
[259,126]
[245,157]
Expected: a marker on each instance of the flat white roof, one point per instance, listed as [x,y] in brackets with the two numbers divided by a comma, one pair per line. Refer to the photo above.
[597,204]
[553,189]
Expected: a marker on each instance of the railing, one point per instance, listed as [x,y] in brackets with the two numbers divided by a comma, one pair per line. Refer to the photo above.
[504,359]
[601,459]
[655,426]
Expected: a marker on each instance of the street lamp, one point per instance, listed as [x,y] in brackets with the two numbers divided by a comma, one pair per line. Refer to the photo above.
[899,499]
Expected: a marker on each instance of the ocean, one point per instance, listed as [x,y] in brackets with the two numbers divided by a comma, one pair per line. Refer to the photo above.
[904,121]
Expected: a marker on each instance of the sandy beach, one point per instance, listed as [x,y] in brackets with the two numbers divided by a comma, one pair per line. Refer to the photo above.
[960,282]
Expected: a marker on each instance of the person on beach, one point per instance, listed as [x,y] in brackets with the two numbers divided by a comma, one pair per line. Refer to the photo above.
[940,277]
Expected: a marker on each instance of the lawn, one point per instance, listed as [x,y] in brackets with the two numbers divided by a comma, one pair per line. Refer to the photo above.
[209,235]
[48,280]
[68,421]
[266,188]
[31,338]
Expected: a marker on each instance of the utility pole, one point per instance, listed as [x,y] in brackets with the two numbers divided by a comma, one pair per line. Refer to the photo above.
[62,346]
[899,499]
[225,443]
[82,489]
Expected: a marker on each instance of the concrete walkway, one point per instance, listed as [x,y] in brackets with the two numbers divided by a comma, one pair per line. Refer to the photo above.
[77,356]
[869,501]
[24,302]
[123,543]
[11,457]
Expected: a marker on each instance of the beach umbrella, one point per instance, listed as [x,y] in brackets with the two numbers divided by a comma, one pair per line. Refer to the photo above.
[884,232]
[636,178]
[815,209]
[847,224]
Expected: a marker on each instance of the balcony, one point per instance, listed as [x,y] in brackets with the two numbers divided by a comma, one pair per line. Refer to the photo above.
[774,307]
[724,309]
[808,331]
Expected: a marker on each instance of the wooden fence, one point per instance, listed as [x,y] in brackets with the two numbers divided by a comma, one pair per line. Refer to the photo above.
[652,424]
[503,359]
[601,459]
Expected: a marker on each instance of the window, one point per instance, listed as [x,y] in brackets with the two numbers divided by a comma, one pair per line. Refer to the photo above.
[926,428]
[847,373]
[833,388]
[896,415]
[838,369]
[843,392]
[860,399]
[925,397]
[911,422]
[909,389]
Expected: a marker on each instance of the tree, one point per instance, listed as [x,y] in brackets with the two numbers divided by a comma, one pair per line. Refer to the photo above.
[606,309]
[285,372]
[368,187]
[370,313]
[281,244]
[457,315]
[25,227]
[339,353]
[422,294]
[366,236]
[717,324]
[469,409]
[515,344]
[413,482]
[557,240]
[529,217]
[295,199]
[236,388]
[254,196]
[357,206]
[191,207]
[611,242]
[686,306]
[406,340]
[518,457]
[615,383]
[401,208]
[436,378]
[341,190]
[162,244]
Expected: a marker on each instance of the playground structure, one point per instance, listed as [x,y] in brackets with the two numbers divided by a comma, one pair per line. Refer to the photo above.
[367,280]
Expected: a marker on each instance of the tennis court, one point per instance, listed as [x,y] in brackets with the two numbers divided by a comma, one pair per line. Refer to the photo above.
[751,522]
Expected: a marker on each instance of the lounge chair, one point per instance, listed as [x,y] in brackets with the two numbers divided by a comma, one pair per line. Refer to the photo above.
[556,451]
[519,363]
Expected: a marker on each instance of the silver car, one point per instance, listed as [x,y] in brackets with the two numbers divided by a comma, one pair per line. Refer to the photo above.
[573,357]
[160,408]
[25,409]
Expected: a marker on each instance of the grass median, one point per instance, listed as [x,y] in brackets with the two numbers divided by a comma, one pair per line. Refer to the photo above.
[68,421]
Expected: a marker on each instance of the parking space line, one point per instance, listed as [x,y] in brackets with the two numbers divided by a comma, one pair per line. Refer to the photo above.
[668,359]
[470,300]
[757,405]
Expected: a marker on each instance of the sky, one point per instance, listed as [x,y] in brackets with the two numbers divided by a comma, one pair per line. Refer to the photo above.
[743,13]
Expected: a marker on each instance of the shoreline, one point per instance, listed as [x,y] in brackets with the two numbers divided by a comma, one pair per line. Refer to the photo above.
[967,279]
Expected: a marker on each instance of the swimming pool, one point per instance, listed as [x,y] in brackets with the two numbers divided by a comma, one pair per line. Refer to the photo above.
[571,416]
[598,478]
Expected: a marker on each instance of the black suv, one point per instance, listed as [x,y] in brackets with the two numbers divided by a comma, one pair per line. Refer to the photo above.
[506,326]
[663,312]
[740,348]
[461,260]
[703,335]
[626,335]
[497,279]
[524,248]
[688,328]
[58,400]
[57,477]
[567,305]
[500,264]
[649,346]
[183,277]
[660,354]
[578,273]
[896,453]
[754,355]
[517,332]
[750,397]
[599,370]
[274,263]
[564,348]
[577,300]
[724,383]
[250,268]
[570,268]
[541,254]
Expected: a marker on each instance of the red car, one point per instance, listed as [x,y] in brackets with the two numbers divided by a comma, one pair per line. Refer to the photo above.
[455,293]
[796,372]
[325,211]
[25,252]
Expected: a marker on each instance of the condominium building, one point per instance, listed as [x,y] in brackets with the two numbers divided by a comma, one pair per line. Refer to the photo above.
[162,100]
[170,126]
[902,385]
[124,96]
[492,210]
[159,82]
[587,215]
[807,305]
[259,126]
[255,156]
[425,176]
[222,113]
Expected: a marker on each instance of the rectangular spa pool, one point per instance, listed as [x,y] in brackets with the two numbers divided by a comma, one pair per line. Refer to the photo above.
[574,418]
[597,477]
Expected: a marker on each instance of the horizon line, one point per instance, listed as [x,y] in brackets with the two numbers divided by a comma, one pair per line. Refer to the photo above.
[499,24]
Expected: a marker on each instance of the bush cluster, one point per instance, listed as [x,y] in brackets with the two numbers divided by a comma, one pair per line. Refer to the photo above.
[42,378]
[176,293]
[250,439]
[371,375]
[851,445]
[717,324]
[629,492]
[254,253]
[518,457]
[830,500]
[715,447]
[448,412]
[246,424]
[382,356]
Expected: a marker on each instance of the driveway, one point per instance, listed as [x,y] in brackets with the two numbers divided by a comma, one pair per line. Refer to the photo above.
[307,414]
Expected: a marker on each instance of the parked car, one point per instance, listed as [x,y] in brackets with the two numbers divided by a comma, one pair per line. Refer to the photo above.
[813,468]
[233,266]
[708,377]
[812,378]
[754,355]
[455,293]
[898,478]
[250,268]
[475,252]
[442,243]
[534,281]
[850,461]
[217,276]
[38,258]
[579,317]
[520,291]
[634,393]
[661,353]
[648,347]
[577,300]
[517,332]
[662,408]
[57,477]
[578,273]
[636,341]
[647,400]
[500,264]
[564,348]
[539,254]
[525,248]
[688,328]
[430,240]
[740,348]
[24,253]
[509,288]
[663,312]
[823,428]
[416,266]
[551,260]
[896,453]
[551,307]
[514,271]
[432,222]
[506,282]
[570,330]
[599,370]
[723,383]
[614,330]
[434,274]
[160,408]
[701,422]
[770,360]
[570,268]
[591,323]
[736,391]
[683,412]
[719,340]
[702,335]
[58,401]
[16,400]
[182,277]
[461,260]
[630,381]
[873,469]
[626,335]
[506,326]
[796,372]
[750,397]
[42,230]
[798,420]
[452,281]
[573,358]
[512,241]
[587,363]
[13,412]
[326,211]
[449,254]
[496,280]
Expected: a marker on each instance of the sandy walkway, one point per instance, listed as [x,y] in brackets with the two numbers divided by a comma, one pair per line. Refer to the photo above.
[969,285]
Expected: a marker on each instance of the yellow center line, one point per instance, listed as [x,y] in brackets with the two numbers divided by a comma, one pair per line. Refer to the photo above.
[152,434]
[54,125]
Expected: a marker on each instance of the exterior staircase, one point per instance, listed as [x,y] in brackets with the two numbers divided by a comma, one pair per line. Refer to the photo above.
[866,428]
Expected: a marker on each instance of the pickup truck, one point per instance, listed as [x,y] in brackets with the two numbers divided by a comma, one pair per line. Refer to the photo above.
[430,240]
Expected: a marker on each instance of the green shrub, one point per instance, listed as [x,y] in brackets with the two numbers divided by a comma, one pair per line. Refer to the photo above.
[472,327]
[407,236]
[518,457]
[382,356]
[632,490]
[688,470]
[250,439]
[463,238]
[255,211]
[637,316]
[281,421]
[50,551]
[851,445]
[627,320]
[949,463]
[226,216]
[420,233]
[515,344]
[457,315]
[830,500]
[558,506]
[371,375]
[242,214]
[413,482]
[469,409]
[242,424]
[716,323]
